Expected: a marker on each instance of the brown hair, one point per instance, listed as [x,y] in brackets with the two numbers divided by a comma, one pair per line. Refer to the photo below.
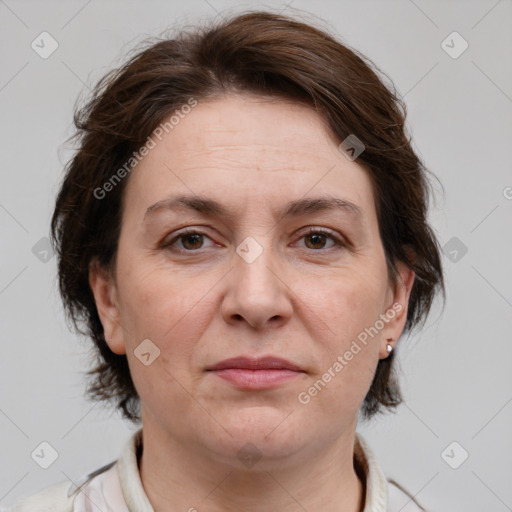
[265,54]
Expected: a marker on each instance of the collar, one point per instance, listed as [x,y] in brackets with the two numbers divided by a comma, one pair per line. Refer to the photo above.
[125,476]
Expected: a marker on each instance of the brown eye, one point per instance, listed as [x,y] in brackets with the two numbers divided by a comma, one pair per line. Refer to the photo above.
[318,238]
[189,241]
[192,241]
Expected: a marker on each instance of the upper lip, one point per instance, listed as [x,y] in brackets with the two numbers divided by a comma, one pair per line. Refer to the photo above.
[250,363]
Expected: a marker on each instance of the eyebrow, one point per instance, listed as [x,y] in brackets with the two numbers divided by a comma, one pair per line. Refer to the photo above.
[296,208]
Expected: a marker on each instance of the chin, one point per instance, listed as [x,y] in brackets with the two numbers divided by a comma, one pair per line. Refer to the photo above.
[264,436]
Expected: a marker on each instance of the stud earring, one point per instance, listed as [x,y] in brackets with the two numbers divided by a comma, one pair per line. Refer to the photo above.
[389,347]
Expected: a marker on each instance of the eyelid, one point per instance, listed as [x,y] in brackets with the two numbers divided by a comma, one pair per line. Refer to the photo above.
[339,241]
[175,236]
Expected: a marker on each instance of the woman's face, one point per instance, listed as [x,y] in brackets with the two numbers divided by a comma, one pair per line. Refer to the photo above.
[270,272]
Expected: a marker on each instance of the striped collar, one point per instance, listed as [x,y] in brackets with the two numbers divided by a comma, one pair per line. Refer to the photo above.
[118,486]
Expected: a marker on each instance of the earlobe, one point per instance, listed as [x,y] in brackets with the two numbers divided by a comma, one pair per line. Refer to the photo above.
[397,310]
[105,296]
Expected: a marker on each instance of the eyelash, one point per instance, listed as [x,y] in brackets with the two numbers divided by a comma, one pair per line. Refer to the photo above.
[168,245]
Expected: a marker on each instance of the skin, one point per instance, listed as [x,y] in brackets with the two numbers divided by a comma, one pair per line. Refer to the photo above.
[304,299]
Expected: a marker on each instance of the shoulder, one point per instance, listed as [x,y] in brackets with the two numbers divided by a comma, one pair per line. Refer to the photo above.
[51,499]
[60,497]
[400,499]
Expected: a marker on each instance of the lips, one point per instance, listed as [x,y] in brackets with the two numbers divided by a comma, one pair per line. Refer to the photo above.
[263,363]
[246,373]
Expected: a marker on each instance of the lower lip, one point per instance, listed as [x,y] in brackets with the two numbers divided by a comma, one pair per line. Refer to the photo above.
[256,379]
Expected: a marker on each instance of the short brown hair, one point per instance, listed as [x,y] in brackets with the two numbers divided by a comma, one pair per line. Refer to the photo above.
[265,54]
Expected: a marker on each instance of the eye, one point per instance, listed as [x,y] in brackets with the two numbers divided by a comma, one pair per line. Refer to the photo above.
[191,240]
[317,237]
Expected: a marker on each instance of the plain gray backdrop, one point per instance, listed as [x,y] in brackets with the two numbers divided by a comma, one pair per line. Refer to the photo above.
[456,373]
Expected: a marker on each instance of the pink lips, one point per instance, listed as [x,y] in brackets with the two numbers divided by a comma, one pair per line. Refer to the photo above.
[247,373]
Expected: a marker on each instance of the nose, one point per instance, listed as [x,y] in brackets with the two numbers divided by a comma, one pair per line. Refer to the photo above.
[257,291]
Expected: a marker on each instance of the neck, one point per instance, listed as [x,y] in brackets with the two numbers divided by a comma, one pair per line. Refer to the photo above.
[177,478]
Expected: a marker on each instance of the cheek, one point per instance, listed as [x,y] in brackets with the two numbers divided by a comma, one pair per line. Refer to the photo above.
[346,302]
[348,306]
[340,395]
[167,310]
[152,298]
[170,308]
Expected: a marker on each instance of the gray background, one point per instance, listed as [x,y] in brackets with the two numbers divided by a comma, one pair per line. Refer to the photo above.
[456,372]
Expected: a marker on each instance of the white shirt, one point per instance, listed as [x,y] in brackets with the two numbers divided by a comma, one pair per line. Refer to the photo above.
[117,487]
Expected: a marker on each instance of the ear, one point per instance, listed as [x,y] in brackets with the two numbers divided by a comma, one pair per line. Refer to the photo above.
[396,308]
[104,289]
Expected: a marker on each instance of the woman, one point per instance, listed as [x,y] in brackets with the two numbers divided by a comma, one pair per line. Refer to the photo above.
[243,231]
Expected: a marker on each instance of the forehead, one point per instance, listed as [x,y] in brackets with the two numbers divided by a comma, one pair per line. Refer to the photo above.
[272,124]
[250,150]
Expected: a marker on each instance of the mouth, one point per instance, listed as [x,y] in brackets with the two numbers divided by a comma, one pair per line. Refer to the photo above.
[253,374]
